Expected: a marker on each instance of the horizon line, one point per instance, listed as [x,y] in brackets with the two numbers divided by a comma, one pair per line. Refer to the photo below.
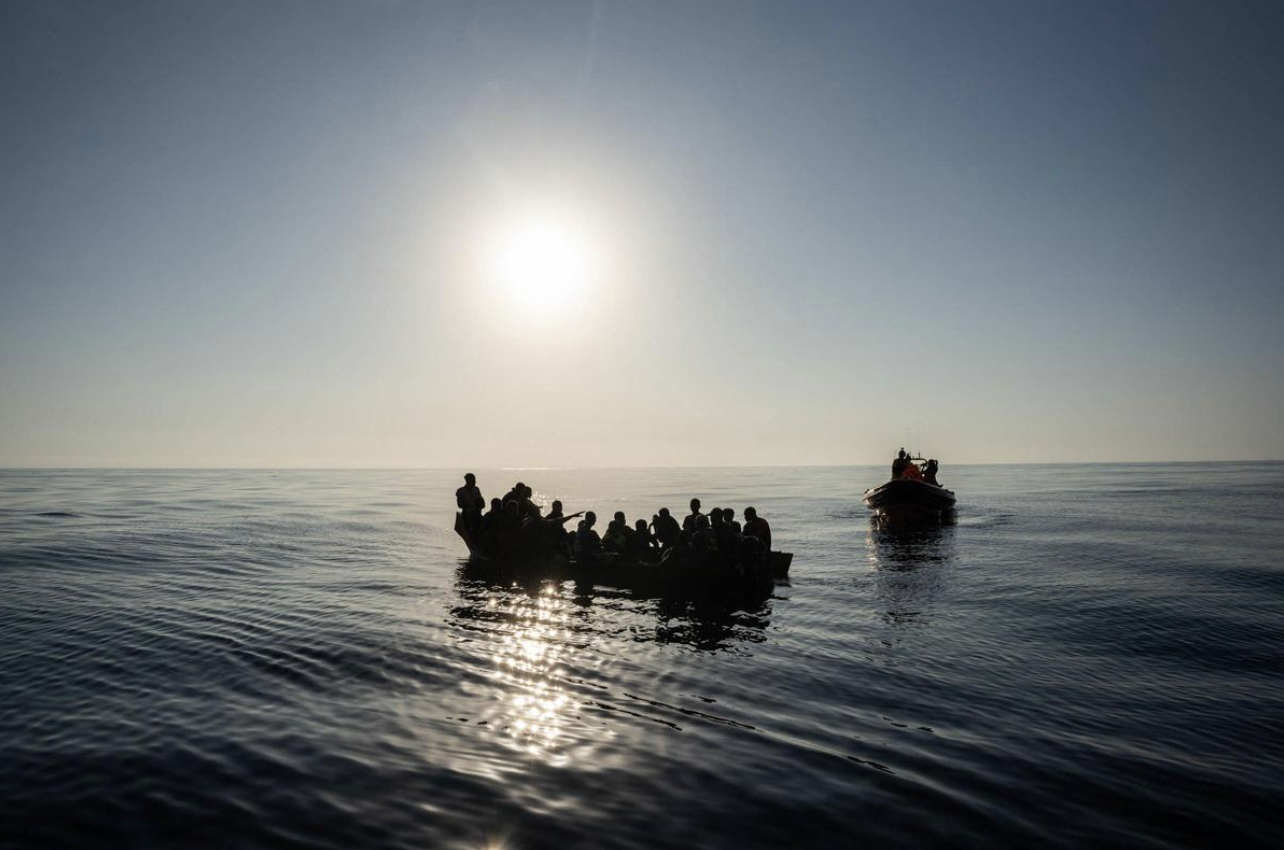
[356,468]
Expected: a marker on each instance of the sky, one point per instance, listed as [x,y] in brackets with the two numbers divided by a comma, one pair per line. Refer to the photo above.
[296,234]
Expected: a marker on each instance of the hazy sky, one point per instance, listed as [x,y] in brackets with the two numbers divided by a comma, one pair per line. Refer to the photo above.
[267,233]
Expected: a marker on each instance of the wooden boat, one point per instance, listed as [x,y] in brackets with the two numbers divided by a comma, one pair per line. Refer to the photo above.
[674,574]
[780,563]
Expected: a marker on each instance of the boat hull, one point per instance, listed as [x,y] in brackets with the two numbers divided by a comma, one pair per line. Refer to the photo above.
[906,498]
[662,580]
[674,575]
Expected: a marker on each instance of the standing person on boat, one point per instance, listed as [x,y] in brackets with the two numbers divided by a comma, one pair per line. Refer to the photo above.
[898,465]
[667,530]
[466,497]
[756,526]
[689,524]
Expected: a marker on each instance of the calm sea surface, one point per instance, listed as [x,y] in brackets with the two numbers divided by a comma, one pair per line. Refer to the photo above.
[1090,656]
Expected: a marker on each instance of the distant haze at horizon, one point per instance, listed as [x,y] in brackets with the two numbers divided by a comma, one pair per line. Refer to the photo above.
[614,235]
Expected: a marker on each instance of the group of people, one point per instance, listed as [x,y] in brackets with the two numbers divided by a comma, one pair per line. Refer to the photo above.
[905,467]
[515,526]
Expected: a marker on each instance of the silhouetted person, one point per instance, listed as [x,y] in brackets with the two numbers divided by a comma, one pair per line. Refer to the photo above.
[617,534]
[667,530]
[508,529]
[490,523]
[929,474]
[553,536]
[466,497]
[689,524]
[729,517]
[704,545]
[641,544]
[473,520]
[588,545]
[727,536]
[898,465]
[756,526]
[529,508]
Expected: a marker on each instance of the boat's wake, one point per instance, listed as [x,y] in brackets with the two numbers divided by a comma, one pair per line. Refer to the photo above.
[987,520]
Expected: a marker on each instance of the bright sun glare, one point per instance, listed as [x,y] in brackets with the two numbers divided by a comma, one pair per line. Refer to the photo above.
[543,265]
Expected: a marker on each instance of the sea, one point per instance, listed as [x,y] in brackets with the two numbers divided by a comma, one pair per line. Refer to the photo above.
[1087,656]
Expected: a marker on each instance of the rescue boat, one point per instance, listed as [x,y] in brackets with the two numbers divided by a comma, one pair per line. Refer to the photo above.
[909,499]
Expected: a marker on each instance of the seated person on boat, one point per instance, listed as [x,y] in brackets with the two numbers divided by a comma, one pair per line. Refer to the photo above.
[513,529]
[490,519]
[729,517]
[618,535]
[704,543]
[641,547]
[727,534]
[588,545]
[667,530]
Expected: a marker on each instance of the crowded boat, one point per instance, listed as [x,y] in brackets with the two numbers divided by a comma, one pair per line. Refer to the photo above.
[515,529]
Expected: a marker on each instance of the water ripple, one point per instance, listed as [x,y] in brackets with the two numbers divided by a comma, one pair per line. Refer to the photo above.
[267,659]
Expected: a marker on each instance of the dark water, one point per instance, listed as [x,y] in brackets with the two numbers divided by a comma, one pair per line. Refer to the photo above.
[1091,656]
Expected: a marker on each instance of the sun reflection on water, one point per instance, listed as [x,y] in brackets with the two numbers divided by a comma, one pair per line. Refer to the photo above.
[528,663]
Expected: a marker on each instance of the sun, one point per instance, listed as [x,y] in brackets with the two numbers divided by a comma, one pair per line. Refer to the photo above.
[544,265]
